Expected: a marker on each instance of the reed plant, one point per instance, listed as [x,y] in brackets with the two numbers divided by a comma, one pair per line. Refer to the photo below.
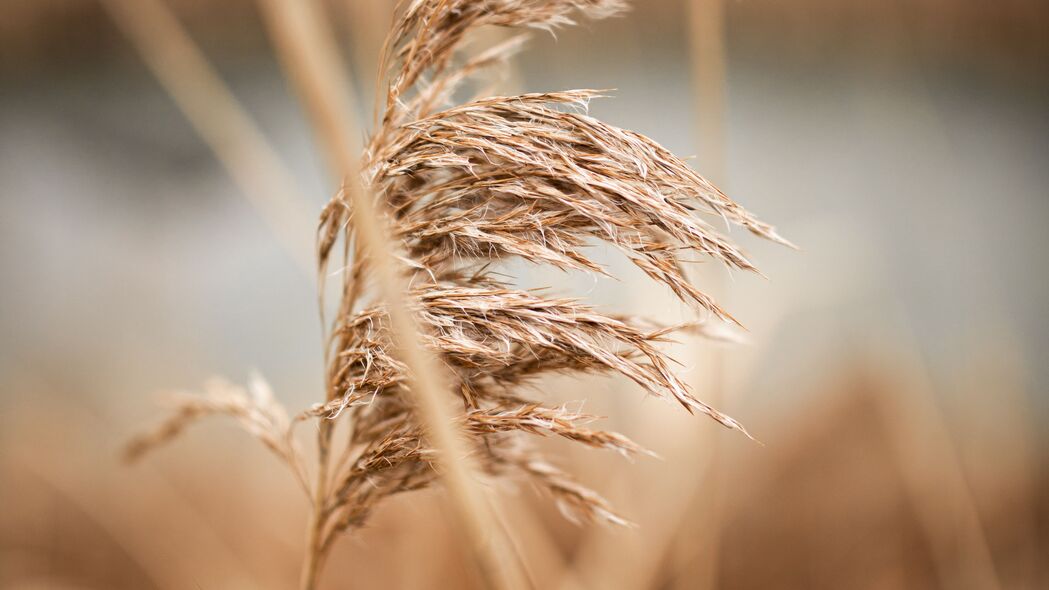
[456,189]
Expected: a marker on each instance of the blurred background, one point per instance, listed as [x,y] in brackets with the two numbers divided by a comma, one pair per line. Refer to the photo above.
[895,369]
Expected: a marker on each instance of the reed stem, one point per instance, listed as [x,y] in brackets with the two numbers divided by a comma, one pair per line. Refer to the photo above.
[310,57]
[219,119]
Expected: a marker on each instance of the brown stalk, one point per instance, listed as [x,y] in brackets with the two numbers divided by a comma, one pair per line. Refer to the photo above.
[218,118]
[709,82]
[310,56]
[706,19]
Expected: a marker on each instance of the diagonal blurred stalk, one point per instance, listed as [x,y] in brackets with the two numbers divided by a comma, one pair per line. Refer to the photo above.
[220,120]
[310,57]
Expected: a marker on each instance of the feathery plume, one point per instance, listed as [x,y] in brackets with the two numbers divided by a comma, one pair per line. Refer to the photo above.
[467,186]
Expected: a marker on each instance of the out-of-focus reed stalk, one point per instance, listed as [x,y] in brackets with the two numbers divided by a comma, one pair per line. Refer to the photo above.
[310,57]
[707,58]
[220,120]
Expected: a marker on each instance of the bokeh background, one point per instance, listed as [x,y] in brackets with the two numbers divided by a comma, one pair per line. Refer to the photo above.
[896,367]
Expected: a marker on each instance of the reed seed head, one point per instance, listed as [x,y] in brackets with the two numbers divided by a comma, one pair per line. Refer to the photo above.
[466,187]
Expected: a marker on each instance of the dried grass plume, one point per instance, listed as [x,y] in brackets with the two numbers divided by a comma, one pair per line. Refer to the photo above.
[466,187]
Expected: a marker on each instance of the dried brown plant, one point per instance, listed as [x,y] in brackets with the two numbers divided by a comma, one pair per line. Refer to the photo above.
[464,188]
